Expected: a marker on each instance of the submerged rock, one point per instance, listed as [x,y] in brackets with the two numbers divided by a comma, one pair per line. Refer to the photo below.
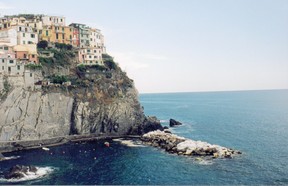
[182,146]
[20,171]
[174,123]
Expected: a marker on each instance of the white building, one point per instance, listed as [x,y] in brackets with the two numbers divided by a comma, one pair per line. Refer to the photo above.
[53,20]
[8,37]
[10,66]
[25,35]
[96,39]
[90,56]
[20,35]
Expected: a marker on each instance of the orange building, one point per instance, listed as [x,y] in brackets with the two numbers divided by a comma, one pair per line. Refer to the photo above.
[57,34]
[26,53]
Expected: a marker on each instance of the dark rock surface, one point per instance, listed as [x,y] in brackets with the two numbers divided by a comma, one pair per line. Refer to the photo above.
[173,123]
[151,124]
[19,171]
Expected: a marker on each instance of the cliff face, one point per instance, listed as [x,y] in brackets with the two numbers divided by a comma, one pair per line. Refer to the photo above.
[99,101]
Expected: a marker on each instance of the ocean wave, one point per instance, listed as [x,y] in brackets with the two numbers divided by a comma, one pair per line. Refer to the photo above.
[129,143]
[41,172]
[201,161]
[164,121]
[10,158]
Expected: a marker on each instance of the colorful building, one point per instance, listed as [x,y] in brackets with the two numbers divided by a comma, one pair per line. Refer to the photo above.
[84,34]
[26,53]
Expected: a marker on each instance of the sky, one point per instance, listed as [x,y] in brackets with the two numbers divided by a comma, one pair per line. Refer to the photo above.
[184,45]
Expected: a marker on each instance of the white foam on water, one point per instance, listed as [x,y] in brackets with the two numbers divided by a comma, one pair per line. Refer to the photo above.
[164,121]
[129,143]
[41,172]
[10,158]
[205,162]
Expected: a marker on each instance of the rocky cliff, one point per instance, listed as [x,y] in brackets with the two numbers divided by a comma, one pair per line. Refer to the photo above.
[100,100]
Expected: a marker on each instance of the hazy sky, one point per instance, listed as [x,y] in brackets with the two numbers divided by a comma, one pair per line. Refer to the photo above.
[185,45]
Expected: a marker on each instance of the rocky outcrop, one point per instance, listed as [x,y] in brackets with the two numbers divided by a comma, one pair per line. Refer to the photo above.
[182,146]
[150,124]
[20,171]
[173,123]
[99,102]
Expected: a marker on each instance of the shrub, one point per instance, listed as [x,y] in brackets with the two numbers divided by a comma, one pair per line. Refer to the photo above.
[59,79]
[42,44]
[110,64]
[98,67]
[107,56]
[33,66]
[63,46]
[81,68]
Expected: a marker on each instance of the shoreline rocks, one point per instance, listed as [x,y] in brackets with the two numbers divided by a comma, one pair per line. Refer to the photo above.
[20,171]
[173,123]
[182,146]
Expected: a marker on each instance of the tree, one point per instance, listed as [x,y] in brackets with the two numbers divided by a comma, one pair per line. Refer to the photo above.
[42,44]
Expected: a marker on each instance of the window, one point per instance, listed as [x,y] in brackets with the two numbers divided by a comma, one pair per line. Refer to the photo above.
[30,42]
[32,35]
[90,57]
[63,36]
[26,30]
[33,56]
[63,29]
[11,61]
[46,32]
[24,42]
[35,25]
[5,48]
[61,20]
[57,37]
[88,50]
[23,34]
[2,67]
[18,67]
[95,51]
[31,74]
[3,60]
[50,19]
[70,37]
[20,29]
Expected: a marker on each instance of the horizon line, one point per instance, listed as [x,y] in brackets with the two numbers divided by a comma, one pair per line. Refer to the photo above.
[208,91]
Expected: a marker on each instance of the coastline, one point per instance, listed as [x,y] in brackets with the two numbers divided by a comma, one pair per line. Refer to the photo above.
[10,146]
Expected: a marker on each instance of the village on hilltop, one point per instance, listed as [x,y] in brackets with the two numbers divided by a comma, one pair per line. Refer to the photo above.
[20,34]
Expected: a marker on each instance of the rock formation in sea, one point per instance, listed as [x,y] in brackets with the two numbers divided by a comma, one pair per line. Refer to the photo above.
[20,171]
[100,100]
[173,123]
[182,146]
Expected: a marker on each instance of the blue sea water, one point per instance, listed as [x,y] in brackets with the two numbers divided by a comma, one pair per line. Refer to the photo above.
[254,122]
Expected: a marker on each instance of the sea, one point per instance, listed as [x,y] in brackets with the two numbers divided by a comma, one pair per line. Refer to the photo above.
[253,122]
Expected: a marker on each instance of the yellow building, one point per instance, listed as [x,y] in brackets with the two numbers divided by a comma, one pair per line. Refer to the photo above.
[57,34]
